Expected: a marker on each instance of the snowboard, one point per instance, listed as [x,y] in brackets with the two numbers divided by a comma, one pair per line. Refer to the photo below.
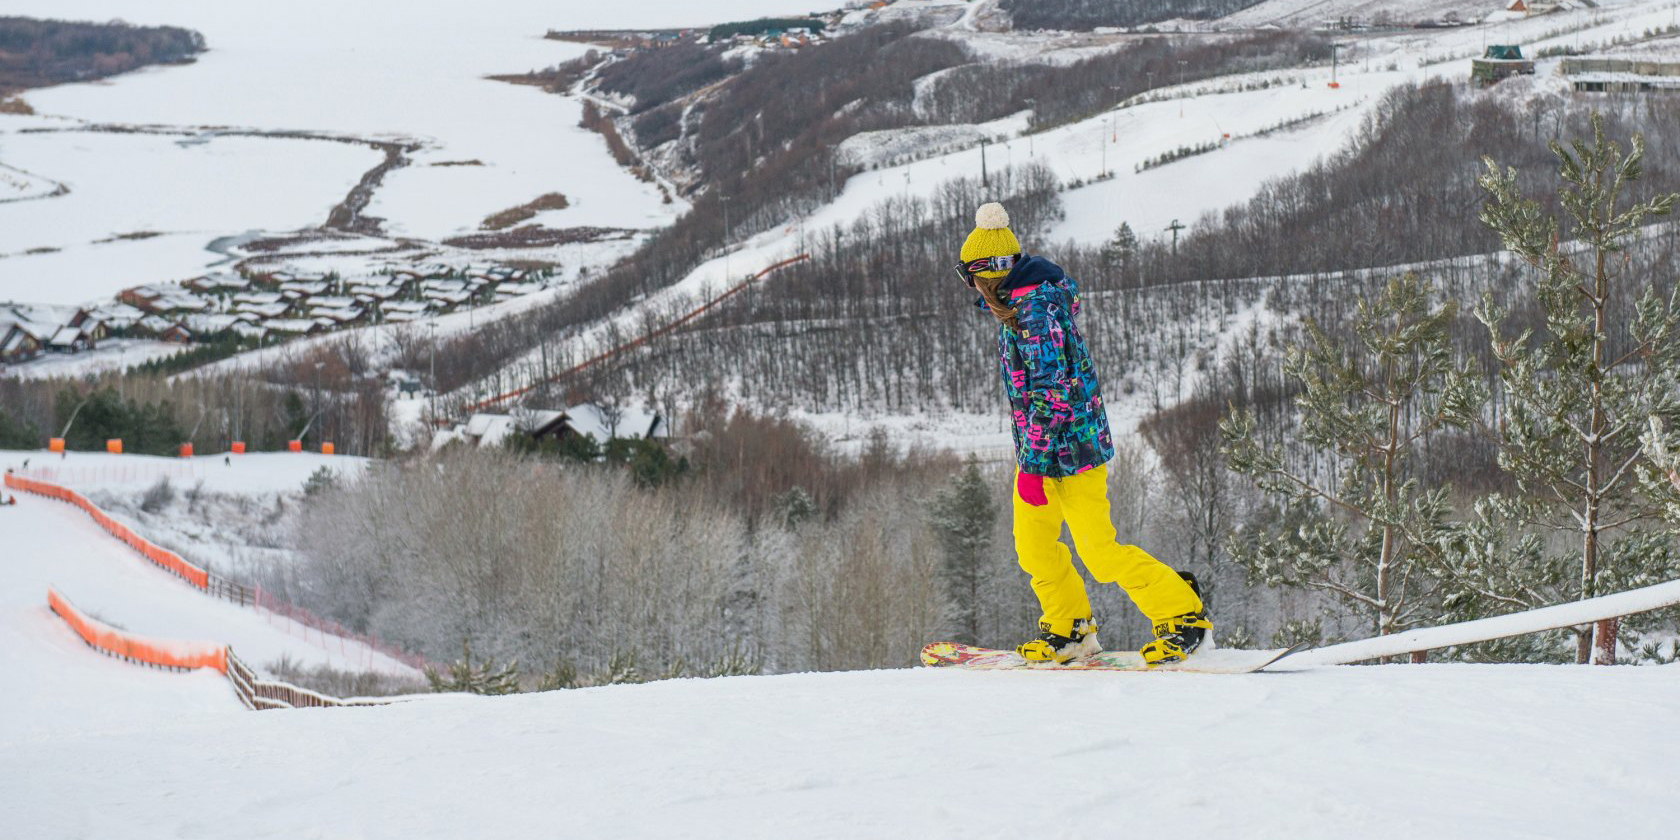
[957,655]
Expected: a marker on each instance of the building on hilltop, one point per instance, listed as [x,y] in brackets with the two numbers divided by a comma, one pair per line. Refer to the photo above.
[1613,74]
[1498,63]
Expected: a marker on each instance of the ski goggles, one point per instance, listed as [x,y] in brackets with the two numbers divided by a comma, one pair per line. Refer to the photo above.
[968,269]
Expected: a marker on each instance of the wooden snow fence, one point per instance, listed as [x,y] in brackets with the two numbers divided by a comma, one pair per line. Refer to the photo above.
[178,655]
[160,653]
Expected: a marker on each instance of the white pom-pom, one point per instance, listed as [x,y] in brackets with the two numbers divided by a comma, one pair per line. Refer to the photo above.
[991,216]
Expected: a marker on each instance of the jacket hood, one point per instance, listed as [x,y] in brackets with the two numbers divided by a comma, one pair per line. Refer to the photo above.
[1030,272]
[1026,274]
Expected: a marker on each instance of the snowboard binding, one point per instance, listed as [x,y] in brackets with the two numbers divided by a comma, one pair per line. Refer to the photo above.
[1178,637]
[1078,641]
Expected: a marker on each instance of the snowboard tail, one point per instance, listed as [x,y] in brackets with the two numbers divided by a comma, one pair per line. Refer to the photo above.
[958,655]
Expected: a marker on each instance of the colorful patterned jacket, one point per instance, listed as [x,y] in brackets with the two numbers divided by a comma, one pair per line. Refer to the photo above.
[1061,427]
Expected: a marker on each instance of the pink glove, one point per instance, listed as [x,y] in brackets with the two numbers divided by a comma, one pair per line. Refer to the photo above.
[1031,489]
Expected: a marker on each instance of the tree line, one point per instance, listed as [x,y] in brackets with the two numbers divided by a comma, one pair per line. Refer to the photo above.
[38,53]
[1090,14]
[326,394]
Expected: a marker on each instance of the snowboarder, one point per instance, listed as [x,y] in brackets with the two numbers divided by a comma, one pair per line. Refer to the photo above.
[1062,447]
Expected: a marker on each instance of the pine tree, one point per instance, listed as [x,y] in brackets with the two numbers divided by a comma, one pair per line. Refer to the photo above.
[1578,393]
[962,515]
[1121,252]
[480,678]
[1368,403]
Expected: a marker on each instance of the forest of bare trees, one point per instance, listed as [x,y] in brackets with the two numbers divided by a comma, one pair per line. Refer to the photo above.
[1090,14]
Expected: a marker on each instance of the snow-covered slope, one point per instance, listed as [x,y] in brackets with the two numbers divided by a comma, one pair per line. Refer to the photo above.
[49,543]
[1447,751]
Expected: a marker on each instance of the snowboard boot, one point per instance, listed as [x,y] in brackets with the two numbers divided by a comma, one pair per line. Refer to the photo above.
[1077,639]
[1178,637]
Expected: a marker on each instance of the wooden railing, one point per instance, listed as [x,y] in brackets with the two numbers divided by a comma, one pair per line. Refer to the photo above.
[1573,614]
[177,655]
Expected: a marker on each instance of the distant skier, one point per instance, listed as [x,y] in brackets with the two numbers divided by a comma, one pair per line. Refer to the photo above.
[1062,446]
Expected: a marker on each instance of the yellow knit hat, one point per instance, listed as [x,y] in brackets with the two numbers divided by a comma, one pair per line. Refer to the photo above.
[991,238]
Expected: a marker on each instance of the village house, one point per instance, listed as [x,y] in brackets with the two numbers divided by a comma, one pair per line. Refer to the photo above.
[206,326]
[509,291]
[182,303]
[403,311]
[250,331]
[299,289]
[175,334]
[17,344]
[68,339]
[143,298]
[293,326]
[152,326]
[261,298]
[263,311]
[116,317]
[337,315]
[600,425]
[212,283]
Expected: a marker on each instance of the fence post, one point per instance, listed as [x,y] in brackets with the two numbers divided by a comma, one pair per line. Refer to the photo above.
[1604,639]
[1419,657]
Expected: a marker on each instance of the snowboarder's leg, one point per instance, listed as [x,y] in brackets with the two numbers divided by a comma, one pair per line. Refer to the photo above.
[1158,591]
[1066,619]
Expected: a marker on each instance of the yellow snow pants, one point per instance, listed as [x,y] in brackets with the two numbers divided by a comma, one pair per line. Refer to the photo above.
[1082,502]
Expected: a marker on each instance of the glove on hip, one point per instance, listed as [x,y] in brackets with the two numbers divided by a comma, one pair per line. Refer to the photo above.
[1031,489]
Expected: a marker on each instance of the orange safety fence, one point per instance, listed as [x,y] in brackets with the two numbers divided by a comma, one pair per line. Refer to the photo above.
[168,560]
[166,653]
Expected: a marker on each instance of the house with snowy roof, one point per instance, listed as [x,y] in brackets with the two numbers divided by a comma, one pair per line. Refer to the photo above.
[68,339]
[17,345]
[116,317]
[601,424]
[205,325]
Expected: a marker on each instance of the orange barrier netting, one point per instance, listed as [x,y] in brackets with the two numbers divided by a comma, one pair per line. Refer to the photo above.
[163,557]
[167,653]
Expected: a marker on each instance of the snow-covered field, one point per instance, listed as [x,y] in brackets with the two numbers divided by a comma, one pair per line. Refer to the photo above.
[1444,751]
[376,70]
[253,473]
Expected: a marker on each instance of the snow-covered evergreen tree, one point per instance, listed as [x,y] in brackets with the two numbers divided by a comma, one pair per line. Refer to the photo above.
[482,677]
[962,515]
[1368,403]
[1577,393]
